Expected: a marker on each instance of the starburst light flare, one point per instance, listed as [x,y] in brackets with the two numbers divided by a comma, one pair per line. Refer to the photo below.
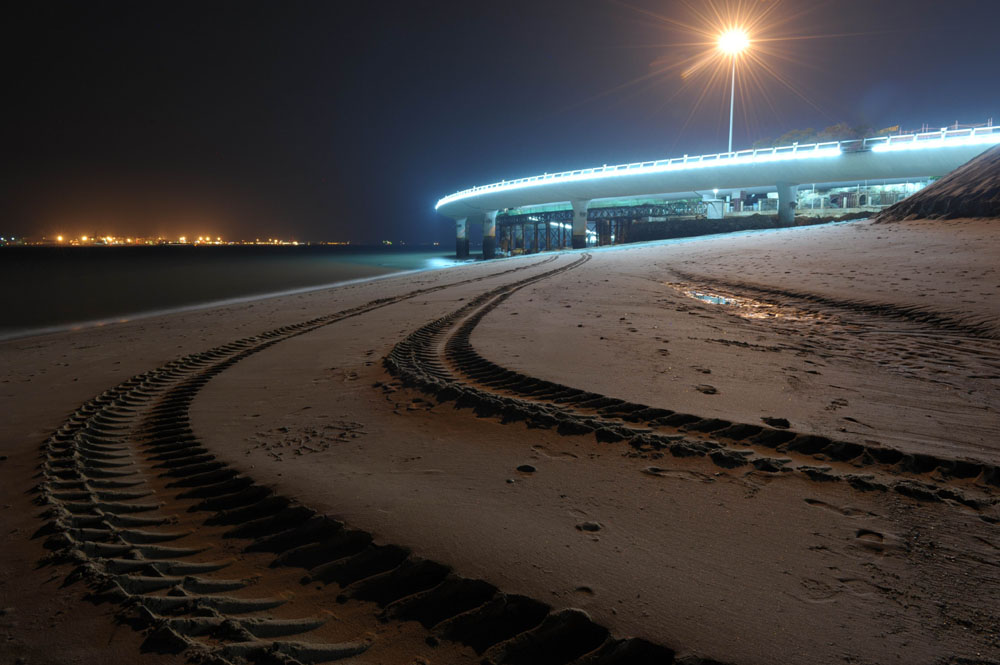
[734,41]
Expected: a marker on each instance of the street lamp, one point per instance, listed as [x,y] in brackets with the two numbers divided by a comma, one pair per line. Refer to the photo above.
[733,42]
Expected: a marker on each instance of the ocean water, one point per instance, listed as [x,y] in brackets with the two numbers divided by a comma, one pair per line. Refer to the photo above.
[45,289]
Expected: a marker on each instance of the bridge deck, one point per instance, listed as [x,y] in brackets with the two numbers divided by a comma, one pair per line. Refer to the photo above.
[874,159]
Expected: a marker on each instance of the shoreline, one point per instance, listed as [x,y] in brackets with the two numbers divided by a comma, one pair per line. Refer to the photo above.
[194,307]
[75,326]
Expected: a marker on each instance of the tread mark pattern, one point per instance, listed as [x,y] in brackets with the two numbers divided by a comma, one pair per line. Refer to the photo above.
[439,359]
[125,473]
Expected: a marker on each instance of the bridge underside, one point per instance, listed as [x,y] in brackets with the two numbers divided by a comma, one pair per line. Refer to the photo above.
[538,228]
[767,181]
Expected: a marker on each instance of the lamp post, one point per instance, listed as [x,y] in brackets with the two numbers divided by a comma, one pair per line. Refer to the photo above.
[733,42]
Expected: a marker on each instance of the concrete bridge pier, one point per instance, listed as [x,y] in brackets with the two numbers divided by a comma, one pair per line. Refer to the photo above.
[461,239]
[787,200]
[490,234]
[580,223]
[715,208]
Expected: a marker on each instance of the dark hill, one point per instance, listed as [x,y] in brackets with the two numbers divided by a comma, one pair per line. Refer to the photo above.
[971,190]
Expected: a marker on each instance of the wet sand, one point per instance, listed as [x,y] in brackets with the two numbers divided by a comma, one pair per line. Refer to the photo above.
[800,465]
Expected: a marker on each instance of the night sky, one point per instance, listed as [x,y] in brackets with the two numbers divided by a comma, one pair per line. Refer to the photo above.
[347,120]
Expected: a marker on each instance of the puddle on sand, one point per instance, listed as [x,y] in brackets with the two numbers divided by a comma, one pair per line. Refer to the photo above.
[710,298]
[748,308]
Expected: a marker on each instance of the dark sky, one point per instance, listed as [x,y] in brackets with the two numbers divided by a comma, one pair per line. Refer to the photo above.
[348,120]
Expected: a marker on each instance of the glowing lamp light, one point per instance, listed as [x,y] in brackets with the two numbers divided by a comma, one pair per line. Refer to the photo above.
[733,41]
[59,238]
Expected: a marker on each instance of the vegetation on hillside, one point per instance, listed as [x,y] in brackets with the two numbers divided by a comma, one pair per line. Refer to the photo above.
[842,131]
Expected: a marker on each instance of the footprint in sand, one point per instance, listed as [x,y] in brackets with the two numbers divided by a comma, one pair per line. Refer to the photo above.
[871,539]
[875,541]
[838,403]
[858,587]
[542,450]
[818,591]
[677,474]
[589,526]
[847,512]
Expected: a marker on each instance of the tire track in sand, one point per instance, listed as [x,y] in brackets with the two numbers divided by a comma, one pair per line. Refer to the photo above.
[207,562]
[954,323]
[439,359]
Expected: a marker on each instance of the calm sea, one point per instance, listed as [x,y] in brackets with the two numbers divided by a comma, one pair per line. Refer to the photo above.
[43,289]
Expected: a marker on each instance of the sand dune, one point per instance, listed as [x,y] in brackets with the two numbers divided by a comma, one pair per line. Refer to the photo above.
[972,190]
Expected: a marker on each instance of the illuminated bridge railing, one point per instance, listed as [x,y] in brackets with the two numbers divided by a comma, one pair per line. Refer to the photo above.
[939,139]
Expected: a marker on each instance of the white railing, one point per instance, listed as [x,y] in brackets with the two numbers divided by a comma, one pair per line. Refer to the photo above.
[943,138]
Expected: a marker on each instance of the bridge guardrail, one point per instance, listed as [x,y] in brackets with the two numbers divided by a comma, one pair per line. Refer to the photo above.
[942,138]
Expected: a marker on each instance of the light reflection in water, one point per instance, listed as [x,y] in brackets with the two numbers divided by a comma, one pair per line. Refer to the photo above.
[749,308]
[710,298]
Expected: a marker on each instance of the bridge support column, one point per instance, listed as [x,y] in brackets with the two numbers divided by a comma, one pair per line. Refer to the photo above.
[787,200]
[461,239]
[580,223]
[714,206]
[490,235]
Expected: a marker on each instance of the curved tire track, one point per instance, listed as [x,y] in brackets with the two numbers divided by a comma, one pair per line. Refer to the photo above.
[912,314]
[127,485]
[439,359]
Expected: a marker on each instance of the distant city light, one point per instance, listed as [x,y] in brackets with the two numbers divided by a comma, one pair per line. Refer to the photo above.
[122,241]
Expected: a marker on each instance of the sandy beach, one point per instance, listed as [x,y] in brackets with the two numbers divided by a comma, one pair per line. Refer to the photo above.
[763,447]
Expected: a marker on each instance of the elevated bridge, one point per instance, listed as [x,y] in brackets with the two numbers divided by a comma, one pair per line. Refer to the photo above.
[781,169]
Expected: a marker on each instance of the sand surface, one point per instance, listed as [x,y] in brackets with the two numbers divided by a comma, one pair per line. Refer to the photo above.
[758,544]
